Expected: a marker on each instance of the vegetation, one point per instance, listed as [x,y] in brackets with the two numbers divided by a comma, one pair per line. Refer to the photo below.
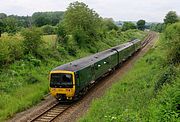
[32,41]
[48,29]
[172,43]
[128,25]
[109,25]
[159,27]
[1,27]
[27,55]
[13,24]
[141,24]
[82,23]
[171,18]
[47,18]
[150,91]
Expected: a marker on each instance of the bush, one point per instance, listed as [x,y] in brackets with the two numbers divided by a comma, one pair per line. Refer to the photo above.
[172,43]
[4,52]
[81,38]
[10,49]
[32,40]
[71,46]
[33,78]
[167,76]
[31,59]
[128,25]
[48,29]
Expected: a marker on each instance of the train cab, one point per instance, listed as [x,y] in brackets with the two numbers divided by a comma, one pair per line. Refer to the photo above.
[62,84]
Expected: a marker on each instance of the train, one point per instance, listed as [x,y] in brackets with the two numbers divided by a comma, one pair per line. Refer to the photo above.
[69,81]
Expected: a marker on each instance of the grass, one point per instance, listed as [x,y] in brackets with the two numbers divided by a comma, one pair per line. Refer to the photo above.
[24,81]
[143,94]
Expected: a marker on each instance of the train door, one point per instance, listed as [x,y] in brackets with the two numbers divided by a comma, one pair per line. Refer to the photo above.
[93,72]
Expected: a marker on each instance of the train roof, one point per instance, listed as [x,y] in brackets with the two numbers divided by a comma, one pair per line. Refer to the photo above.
[135,40]
[89,60]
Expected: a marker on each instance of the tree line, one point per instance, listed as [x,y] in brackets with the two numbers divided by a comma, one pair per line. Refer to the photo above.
[170,18]
[13,23]
[77,27]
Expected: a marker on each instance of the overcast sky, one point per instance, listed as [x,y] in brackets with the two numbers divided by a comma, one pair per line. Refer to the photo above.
[150,10]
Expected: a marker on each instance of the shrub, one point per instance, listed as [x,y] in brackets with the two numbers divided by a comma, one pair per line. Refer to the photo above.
[10,49]
[32,40]
[30,58]
[128,25]
[172,43]
[48,29]
[165,77]
[4,52]
[71,46]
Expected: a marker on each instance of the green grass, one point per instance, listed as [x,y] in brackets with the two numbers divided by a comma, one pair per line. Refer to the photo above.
[24,79]
[143,94]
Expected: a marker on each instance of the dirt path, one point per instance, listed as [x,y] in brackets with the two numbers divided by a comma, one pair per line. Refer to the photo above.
[81,107]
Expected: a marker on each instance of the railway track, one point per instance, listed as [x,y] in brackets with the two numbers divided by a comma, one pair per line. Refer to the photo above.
[52,113]
[149,37]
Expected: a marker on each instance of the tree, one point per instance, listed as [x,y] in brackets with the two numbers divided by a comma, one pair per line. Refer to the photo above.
[128,25]
[1,27]
[79,18]
[3,15]
[40,19]
[61,32]
[109,24]
[141,24]
[48,29]
[32,40]
[171,17]
[159,27]
[10,25]
[47,18]
[172,43]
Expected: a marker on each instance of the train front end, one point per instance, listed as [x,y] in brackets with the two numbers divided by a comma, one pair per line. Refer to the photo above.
[62,85]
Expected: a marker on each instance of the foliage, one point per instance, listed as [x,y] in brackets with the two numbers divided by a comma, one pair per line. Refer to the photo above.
[1,27]
[10,49]
[61,32]
[171,17]
[128,25]
[10,25]
[48,29]
[109,25]
[3,15]
[141,24]
[81,22]
[32,40]
[159,27]
[172,43]
[47,18]
[22,21]
[165,77]
[13,23]
[4,52]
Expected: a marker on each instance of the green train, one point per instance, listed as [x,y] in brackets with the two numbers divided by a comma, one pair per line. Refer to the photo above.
[71,80]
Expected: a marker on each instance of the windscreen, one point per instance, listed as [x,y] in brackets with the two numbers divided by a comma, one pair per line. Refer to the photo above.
[61,80]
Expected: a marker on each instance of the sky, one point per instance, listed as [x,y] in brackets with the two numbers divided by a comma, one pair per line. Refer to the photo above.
[124,10]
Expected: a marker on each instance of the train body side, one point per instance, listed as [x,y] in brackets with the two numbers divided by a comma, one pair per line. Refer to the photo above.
[98,65]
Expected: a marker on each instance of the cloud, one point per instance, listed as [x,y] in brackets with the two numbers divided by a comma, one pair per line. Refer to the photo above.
[150,10]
